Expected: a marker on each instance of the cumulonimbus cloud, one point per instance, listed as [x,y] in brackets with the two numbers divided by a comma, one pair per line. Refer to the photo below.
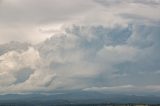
[88,55]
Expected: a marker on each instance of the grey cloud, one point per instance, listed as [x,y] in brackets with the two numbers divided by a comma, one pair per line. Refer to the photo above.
[23,74]
[140,19]
[147,2]
[89,37]
[52,11]
[90,56]
[107,46]
[138,11]
[147,60]
[16,46]
[125,89]
[108,2]
[115,2]
[20,20]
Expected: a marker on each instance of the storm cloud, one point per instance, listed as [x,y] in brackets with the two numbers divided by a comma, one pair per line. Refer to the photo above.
[94,45]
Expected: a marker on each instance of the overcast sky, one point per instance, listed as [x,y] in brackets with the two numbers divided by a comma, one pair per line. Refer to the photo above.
[85,45]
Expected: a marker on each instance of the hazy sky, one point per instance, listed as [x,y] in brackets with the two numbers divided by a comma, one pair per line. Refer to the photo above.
[80,45]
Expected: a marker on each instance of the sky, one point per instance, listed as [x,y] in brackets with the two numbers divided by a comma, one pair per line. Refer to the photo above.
[108,46]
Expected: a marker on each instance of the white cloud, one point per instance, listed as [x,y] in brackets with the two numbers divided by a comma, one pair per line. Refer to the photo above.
[14,61]
[154,88]
[114,88]
[13,64]
[125,89]
[111,54]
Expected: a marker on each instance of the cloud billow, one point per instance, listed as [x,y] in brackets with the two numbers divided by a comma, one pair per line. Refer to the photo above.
[89,55]
[106,46]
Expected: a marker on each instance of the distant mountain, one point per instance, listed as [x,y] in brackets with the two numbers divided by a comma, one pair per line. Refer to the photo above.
[78,97]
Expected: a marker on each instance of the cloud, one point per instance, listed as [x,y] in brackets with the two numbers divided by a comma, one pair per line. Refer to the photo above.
[12,62]
[28,20]
[147,2]
[138,11]
[40,13]
[125,89]
[120,53]
[117,2]
[23,71]
[91,56]
[13,46]
[114,88]
[23,23]
[79,44]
